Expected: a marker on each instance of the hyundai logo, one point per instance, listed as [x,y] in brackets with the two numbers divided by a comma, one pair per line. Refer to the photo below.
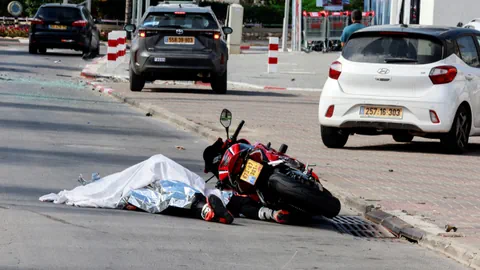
[383,71]
[179,32]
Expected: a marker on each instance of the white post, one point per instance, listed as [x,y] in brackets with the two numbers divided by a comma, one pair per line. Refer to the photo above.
[299,26]
[139,11]
[285,26]
[294,26]
[235,21]
[89,5]
[272,54]
[134,12]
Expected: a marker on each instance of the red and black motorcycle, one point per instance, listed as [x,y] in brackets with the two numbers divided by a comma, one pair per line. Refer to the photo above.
[276,179]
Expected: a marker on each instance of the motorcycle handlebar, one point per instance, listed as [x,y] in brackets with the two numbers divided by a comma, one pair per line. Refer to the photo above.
[237,131]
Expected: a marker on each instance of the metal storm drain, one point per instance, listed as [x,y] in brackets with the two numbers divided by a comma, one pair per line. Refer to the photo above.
[359,227]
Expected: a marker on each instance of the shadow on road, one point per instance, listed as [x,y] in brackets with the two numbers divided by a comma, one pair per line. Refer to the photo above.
[206,91]
[30,66]
[28,106]
[19,70]
[83,128]
[417,147]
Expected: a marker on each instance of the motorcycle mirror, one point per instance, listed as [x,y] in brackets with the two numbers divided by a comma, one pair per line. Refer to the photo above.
[226,119]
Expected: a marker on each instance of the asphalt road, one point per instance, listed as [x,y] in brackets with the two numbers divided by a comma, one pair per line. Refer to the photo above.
[53,129]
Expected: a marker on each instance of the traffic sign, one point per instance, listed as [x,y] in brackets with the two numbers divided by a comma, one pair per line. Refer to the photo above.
[15,8]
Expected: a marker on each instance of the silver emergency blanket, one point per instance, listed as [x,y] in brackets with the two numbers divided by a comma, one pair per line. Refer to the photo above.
[161,194]
[152,185]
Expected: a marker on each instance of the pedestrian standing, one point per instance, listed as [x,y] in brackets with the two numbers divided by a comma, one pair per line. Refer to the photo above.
[349,30]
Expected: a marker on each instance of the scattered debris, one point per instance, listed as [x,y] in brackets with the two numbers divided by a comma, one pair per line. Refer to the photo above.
[293,79]
[421,203]
[446,197]
[148,114]
[58,61]
[180,147]
[390,170]
[62,75]
[449,228]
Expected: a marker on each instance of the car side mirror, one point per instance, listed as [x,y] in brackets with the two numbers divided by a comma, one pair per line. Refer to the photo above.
[227,30]
[130,28]
[226,119]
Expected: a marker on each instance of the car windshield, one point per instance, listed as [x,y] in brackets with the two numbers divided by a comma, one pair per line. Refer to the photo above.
[392,49]
[59,14]
[197,21]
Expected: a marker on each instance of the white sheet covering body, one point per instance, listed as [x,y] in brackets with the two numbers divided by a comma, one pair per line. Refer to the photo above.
[108,191]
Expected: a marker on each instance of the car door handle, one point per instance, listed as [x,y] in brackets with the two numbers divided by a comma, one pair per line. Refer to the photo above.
[469,77]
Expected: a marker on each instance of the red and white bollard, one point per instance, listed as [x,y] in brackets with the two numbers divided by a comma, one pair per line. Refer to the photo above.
[272,54]
[121,43]
[112,50]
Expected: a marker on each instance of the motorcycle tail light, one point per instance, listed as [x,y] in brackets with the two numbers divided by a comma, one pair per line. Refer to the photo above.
[330,110]
[443,74]
[335,70]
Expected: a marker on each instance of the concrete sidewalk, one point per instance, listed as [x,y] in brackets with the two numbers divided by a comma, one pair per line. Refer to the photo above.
[296,71]
[414,181]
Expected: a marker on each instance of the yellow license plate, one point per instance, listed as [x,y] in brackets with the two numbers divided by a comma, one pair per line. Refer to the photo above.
[58,27]
[251,172]
[381,112]
[180,40]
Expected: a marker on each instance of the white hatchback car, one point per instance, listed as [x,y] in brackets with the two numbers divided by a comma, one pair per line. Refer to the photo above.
[406,81]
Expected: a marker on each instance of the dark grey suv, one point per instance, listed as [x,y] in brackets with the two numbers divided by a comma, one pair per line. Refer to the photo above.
[181,42]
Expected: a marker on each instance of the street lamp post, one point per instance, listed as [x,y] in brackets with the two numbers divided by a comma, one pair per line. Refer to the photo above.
[285,26]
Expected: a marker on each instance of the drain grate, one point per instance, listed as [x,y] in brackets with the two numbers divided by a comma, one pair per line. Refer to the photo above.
[359,227]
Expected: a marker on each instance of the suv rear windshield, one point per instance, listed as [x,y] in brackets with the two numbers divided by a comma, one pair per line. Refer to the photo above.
[197,21]
[59,14]
[392,49]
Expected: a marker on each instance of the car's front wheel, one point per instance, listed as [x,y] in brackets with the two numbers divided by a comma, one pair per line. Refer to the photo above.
[334,137]
[219,83]
[137,82]
[456,141]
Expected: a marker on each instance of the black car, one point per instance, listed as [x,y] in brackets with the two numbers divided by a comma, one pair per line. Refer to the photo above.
[180,42]
[64,26]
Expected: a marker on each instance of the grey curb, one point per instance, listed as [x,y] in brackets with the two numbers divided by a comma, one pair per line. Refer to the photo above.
[466,255]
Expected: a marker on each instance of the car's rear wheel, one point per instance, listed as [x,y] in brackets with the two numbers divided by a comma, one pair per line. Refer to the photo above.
[334,137]
[137,82]
[403,137]
[219,83]
[456,141]
[32,49]
[42,50]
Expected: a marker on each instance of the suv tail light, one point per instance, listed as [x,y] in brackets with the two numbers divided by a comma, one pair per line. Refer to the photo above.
[443,74]
[81,23]
[142,34]
[335,70]
[36,21]
[216,36]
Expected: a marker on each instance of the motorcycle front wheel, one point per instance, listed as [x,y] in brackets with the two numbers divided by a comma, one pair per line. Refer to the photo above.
[304,196]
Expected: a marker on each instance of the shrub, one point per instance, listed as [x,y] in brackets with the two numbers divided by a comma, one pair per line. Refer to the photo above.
[14,31]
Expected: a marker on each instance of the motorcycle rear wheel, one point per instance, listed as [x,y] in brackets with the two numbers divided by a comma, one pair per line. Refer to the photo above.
[307,197]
